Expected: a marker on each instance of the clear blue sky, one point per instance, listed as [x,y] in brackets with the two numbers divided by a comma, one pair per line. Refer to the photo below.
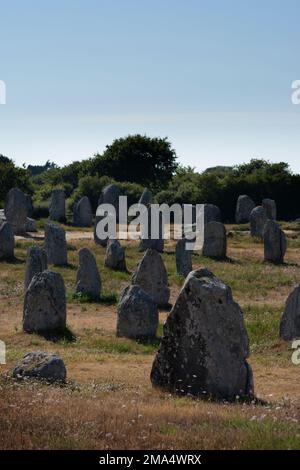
[213,75]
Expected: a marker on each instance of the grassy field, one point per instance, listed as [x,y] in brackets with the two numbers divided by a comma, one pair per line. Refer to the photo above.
[109,403]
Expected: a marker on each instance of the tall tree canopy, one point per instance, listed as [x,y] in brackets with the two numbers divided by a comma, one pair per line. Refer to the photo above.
[139,159]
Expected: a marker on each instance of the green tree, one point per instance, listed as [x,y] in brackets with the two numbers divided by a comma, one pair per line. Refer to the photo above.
[138,159]
[12,176]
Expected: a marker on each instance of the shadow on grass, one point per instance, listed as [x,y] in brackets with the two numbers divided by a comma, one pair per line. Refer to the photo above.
[281,265]
[62,334]
[13,260]
[154,341]
[227,259]
[70,266]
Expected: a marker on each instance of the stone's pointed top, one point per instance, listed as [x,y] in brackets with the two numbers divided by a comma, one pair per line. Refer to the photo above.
[115,256]
[151,275]
[137,314]
[88,280]
[146,197]
[205,279]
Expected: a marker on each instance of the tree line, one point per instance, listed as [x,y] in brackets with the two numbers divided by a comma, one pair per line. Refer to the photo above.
[139,161]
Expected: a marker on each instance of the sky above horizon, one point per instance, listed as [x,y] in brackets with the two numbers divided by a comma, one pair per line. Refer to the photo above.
[213,76]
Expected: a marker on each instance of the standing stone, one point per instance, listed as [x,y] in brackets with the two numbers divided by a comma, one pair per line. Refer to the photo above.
[115,256]
[41,365]
[211,213]
[152,277]
[16,209]
[270,207]
[205,344]
[57,208]
[56,245]
[258,219]
[147,242]
[88,279]
[275,243]
[110,195]
[183,258]
[45,303]
[290,320]
[146,197]
[82,213]
[137,315]
[244,207]
[215,240]
[7,241]
[36,262]
[97,240]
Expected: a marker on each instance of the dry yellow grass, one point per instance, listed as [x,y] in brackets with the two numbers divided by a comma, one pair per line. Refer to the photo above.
[109,402]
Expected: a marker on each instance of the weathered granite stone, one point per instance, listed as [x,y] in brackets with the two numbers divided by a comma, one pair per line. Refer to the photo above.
[16,209]
[147,240]
[88,279]
[290,320]
[115,256]
[258,219]
[215,241]
[275,243]
[55,244]
[205,344]
[57,208]
[183,258]
[82,213]
[45,303]
[98,240]
[7,241]
[211,213]
[42,366]
[110,195]
[151,276]
[137,314]
[244,207]
[270,207]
